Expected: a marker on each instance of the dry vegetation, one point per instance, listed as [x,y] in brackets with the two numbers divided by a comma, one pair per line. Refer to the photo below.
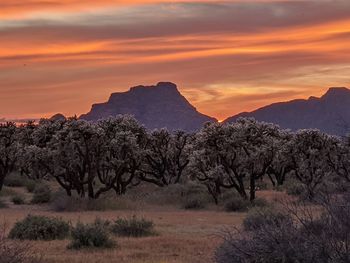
[184,236]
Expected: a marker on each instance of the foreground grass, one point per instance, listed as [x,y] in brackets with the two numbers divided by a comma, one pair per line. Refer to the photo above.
[184,236]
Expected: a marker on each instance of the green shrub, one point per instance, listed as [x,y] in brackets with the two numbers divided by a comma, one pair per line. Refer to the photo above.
[237,204]
[40,228]
[14,180]
[267,216]
[42,194]
[18,200]
[95,235]
[133,227]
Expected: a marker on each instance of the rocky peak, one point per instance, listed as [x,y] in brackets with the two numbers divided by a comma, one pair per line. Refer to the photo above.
[157,106]
[336,92]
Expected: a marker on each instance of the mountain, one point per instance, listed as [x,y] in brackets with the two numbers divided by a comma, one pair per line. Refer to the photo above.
[160,106]
[329,113]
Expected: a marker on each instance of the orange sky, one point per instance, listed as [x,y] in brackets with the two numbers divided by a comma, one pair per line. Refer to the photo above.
[225,56]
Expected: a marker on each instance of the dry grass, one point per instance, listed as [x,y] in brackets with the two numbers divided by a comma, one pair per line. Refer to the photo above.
[184,236]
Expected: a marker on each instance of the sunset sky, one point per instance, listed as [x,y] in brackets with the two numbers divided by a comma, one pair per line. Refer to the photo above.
[225,56]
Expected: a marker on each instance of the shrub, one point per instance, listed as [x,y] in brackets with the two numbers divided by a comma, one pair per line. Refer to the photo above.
[237,204]
[42,194]
[30,186]
[133,227]
[260,217]
[7,192]
[295,188]
[14,180]
[3,204]
[194,202]
[93,235]
[40,228]
[308,238]
[260,202]
[18,200]
[61,202]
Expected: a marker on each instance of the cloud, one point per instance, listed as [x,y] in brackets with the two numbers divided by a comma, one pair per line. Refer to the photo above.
[226,56]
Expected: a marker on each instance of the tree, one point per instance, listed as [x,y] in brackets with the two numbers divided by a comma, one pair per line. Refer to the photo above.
[310,151]
[36,160]
[282,164]
[226,156]
[76,149]
[339,159]
[9,148]
[122,154]
[166,157]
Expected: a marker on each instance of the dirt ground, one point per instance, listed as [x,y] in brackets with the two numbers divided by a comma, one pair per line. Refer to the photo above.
[183,236]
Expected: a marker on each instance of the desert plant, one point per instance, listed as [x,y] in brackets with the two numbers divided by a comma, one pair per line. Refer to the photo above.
[18,200]
[194,202]
[307,238]
[14,180]
[295,188]
[61,202]
[133,227]
[42,194]
[95,235]
[260,217]
[2,204]
[30,185]
[40,228]
[260,202]
[237,204]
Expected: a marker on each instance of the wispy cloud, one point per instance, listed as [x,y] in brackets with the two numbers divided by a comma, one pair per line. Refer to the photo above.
[227,56]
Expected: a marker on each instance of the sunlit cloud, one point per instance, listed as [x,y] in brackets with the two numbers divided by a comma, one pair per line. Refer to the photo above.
[226,56]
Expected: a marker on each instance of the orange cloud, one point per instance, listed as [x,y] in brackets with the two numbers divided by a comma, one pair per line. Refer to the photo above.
[66,63]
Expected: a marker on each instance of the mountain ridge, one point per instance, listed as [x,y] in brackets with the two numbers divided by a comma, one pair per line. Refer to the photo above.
[329,113]
[157,106]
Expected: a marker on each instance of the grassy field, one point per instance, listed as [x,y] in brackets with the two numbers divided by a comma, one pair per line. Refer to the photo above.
[184,236]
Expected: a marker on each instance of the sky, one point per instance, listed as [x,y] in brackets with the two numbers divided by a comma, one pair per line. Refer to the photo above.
[225,56]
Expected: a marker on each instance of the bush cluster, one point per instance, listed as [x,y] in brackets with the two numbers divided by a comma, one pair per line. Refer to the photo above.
[274,236]
[237,204]
[95,235]
[40,228]
[133,227]
[42,194]
[2,204]
[18,200]
[260,217]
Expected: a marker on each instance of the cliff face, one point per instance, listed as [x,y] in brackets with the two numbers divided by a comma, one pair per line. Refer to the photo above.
[330,113]
[160,106]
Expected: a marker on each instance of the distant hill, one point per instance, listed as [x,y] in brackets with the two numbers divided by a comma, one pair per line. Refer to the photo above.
[160,106]
[330,113]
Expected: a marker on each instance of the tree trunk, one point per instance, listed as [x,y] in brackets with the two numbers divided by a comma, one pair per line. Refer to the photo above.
[2,179]
[252,188]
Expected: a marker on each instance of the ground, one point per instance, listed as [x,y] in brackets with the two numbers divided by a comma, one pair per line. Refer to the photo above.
[183,236]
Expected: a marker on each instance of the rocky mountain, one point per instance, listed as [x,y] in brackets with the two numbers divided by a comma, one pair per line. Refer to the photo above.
[160,106]
[329,113]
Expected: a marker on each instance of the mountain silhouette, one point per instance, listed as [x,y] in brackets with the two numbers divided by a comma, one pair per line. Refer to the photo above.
[160,106]
[329,113]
